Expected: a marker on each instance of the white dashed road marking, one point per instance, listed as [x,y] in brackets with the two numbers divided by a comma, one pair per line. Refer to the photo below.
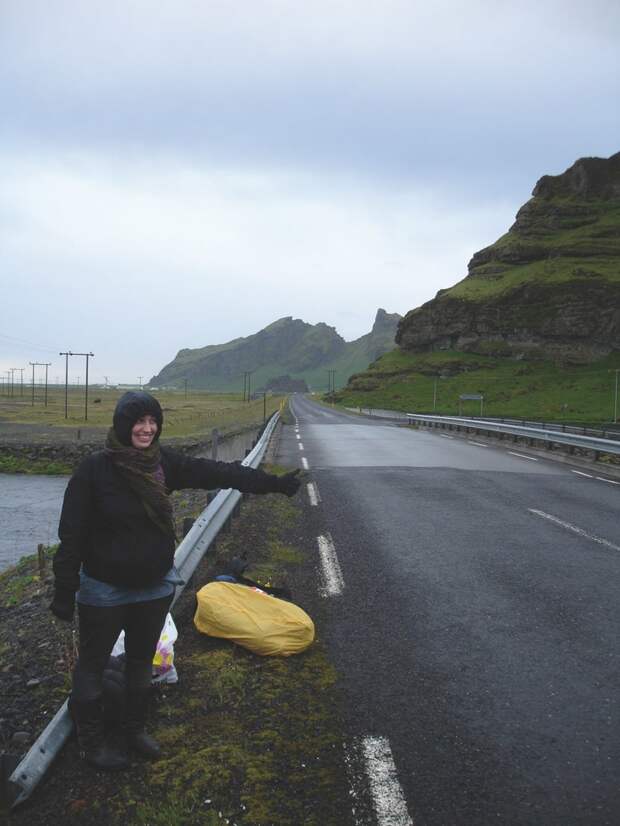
[313,493]
[581,473]
[333,583]
[522,456]
[575,529]
[387,795]
[300,446]
[478,444]
[304,463]
[445,436]
[611,481]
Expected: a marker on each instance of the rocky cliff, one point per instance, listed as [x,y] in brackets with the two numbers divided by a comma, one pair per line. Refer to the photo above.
[288,348]
[549,287]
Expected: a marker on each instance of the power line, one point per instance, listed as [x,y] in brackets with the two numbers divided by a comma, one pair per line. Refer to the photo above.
[29,343]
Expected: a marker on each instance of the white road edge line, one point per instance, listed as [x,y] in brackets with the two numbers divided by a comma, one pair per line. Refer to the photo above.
[581,473]
[387,795]
[575,529]
[304,463]
[479,444]
[611,481]
[313,493]
[332,574]
[523,456]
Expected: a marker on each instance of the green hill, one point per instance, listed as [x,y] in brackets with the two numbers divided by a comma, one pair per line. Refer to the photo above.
[548,288]
[535,325]
[288,348]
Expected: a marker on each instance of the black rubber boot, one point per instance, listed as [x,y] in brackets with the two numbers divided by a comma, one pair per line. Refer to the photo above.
[138,689]
[94,747]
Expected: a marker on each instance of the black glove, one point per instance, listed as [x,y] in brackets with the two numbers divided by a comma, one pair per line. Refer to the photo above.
[63,604]
[289,483]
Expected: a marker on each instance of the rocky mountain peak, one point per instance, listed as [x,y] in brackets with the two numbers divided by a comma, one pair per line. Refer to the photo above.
[385,322]
[586,178]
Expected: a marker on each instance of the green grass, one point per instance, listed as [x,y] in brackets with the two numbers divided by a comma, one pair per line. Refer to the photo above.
[560,250]
[18,464]
[538,390]
[184,415]
[19,582]
[549,271]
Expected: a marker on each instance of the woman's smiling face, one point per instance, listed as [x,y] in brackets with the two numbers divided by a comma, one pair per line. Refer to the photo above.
[143,432]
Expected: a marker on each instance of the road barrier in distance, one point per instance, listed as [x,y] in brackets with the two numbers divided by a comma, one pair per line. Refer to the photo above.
[598,446]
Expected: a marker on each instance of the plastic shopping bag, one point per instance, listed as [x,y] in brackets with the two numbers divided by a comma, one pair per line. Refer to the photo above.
[163,661]
[258,621]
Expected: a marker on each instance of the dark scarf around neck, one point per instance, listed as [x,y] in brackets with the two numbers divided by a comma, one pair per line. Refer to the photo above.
[138,466]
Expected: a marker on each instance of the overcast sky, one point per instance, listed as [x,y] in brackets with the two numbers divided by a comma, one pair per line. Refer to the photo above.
[177,173]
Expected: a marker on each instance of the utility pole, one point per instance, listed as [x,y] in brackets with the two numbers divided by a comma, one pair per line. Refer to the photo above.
[247,384]
[45,364]
[66,355]
[616,398]
[21,380]
[13,371]
[185,381]
[87,355]
[140,381]
[331,381]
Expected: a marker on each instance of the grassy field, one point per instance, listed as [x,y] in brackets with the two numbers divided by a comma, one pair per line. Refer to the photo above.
[539,390]
[184,415]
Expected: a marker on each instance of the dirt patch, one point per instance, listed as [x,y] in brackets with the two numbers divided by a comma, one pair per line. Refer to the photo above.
[247,740]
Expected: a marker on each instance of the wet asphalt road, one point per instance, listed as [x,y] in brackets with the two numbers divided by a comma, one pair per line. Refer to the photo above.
[479,637]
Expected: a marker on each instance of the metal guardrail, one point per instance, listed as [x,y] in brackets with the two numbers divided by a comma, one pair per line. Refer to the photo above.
[549,437]
[557,427]
[188,554]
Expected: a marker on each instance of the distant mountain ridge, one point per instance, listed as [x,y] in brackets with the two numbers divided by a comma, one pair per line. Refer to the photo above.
[289,347]
[548,288]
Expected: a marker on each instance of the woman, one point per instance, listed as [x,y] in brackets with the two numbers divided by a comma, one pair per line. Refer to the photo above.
[117,544]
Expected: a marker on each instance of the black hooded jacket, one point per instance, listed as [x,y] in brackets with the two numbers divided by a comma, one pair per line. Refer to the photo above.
[105,528]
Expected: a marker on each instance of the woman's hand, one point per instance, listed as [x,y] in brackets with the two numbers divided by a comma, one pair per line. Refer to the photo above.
[289,483]
[63,604]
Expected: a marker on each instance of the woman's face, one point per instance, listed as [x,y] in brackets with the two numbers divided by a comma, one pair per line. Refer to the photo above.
[143,432]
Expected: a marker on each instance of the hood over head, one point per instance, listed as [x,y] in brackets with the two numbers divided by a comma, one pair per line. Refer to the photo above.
[132,406]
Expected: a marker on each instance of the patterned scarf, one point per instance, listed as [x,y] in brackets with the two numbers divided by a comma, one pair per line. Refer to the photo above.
[141,467]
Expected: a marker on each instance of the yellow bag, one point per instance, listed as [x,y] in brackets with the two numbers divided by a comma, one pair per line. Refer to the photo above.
[257,621]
